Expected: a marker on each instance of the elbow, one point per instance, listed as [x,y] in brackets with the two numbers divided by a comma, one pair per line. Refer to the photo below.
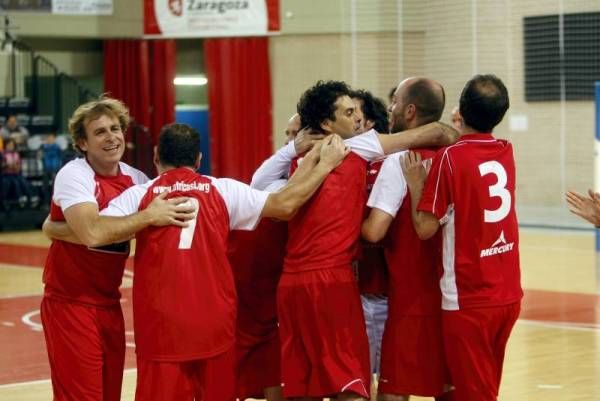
[91,238]
[423,235]
[371,235]
[90,241]
[424,232]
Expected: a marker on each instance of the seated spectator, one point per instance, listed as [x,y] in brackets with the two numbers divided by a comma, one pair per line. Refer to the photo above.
[51,155]
[14,131]
[12,180]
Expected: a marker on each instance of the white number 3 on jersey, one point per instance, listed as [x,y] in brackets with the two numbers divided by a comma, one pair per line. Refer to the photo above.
[498,189]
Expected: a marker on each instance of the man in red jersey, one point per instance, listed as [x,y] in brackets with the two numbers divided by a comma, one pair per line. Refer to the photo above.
[371,269]
[413,360]
[184,294]
[81,314]
[470,194]
[324,345]
[256,258]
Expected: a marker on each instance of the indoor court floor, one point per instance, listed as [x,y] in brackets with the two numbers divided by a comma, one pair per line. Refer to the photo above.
[553,353]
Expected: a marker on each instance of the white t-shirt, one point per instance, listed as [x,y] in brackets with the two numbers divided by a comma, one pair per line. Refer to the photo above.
[365,145]
[244,204]
[390,188]
[75,183]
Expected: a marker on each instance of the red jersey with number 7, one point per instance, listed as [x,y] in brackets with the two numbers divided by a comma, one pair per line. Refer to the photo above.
[471,190]
[184,299]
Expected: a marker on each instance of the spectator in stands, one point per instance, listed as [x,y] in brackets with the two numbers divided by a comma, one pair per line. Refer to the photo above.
[12,180]
[13,130]
[51,155]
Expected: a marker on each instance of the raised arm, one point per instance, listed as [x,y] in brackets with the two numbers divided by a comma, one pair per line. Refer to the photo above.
[278,165]
[315,166]
[435,134]
[425,223]
[91,229]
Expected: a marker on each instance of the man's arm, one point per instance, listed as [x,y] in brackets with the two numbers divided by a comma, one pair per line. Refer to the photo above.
[317,164]
[386,198]
[376,225]
[435,134]
[425,223]
[59,230]
[278,165]
[94,230]
[586,207]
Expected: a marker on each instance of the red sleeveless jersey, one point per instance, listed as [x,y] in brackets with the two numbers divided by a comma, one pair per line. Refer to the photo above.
[325,231]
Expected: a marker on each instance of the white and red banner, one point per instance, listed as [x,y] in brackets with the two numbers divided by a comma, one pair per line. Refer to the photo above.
[205,19]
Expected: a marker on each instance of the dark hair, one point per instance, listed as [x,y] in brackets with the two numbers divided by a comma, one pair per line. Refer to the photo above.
[429,99]
[391,94]
[373,109]
[483,102]
[317,103]
[178,145]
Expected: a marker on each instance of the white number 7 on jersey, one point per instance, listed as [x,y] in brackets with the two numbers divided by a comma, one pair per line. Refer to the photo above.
[498,189]
[187,233]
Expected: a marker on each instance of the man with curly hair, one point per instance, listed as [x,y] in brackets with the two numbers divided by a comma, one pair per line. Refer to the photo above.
[325,350]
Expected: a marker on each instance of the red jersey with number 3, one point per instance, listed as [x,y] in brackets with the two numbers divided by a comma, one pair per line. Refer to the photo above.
[471,190]
[325,231]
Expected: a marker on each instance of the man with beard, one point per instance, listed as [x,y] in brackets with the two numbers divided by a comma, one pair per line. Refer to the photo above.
[413,360]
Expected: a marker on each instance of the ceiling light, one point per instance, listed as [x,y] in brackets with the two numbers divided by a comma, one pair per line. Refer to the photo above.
[191,80]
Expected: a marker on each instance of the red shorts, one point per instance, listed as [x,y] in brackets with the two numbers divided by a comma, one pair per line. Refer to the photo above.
[412,357]
[257,337]
[86,350]
[324,346]
[474,342]
[258,364]
[201,379]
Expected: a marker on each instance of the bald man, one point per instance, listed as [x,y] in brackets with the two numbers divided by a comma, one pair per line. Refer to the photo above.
[412,358]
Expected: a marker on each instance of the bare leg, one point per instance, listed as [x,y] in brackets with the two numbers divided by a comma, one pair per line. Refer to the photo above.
[274,393]
[392,397]
[349,396]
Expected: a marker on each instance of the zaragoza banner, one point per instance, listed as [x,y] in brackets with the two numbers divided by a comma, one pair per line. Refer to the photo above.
[205,19]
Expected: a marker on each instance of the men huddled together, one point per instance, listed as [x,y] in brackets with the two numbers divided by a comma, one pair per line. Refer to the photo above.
[363,249]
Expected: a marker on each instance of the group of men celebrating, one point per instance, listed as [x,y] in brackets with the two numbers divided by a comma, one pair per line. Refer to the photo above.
[438,264]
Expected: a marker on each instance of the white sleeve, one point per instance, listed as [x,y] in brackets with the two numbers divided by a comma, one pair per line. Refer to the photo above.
[244,204]
[366,145]
[390,187]
[74,184]
[275,186]
[274,167]
[128,202]
[136,175]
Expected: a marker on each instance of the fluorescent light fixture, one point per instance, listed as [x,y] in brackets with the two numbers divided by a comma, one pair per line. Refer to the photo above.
[191,80]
